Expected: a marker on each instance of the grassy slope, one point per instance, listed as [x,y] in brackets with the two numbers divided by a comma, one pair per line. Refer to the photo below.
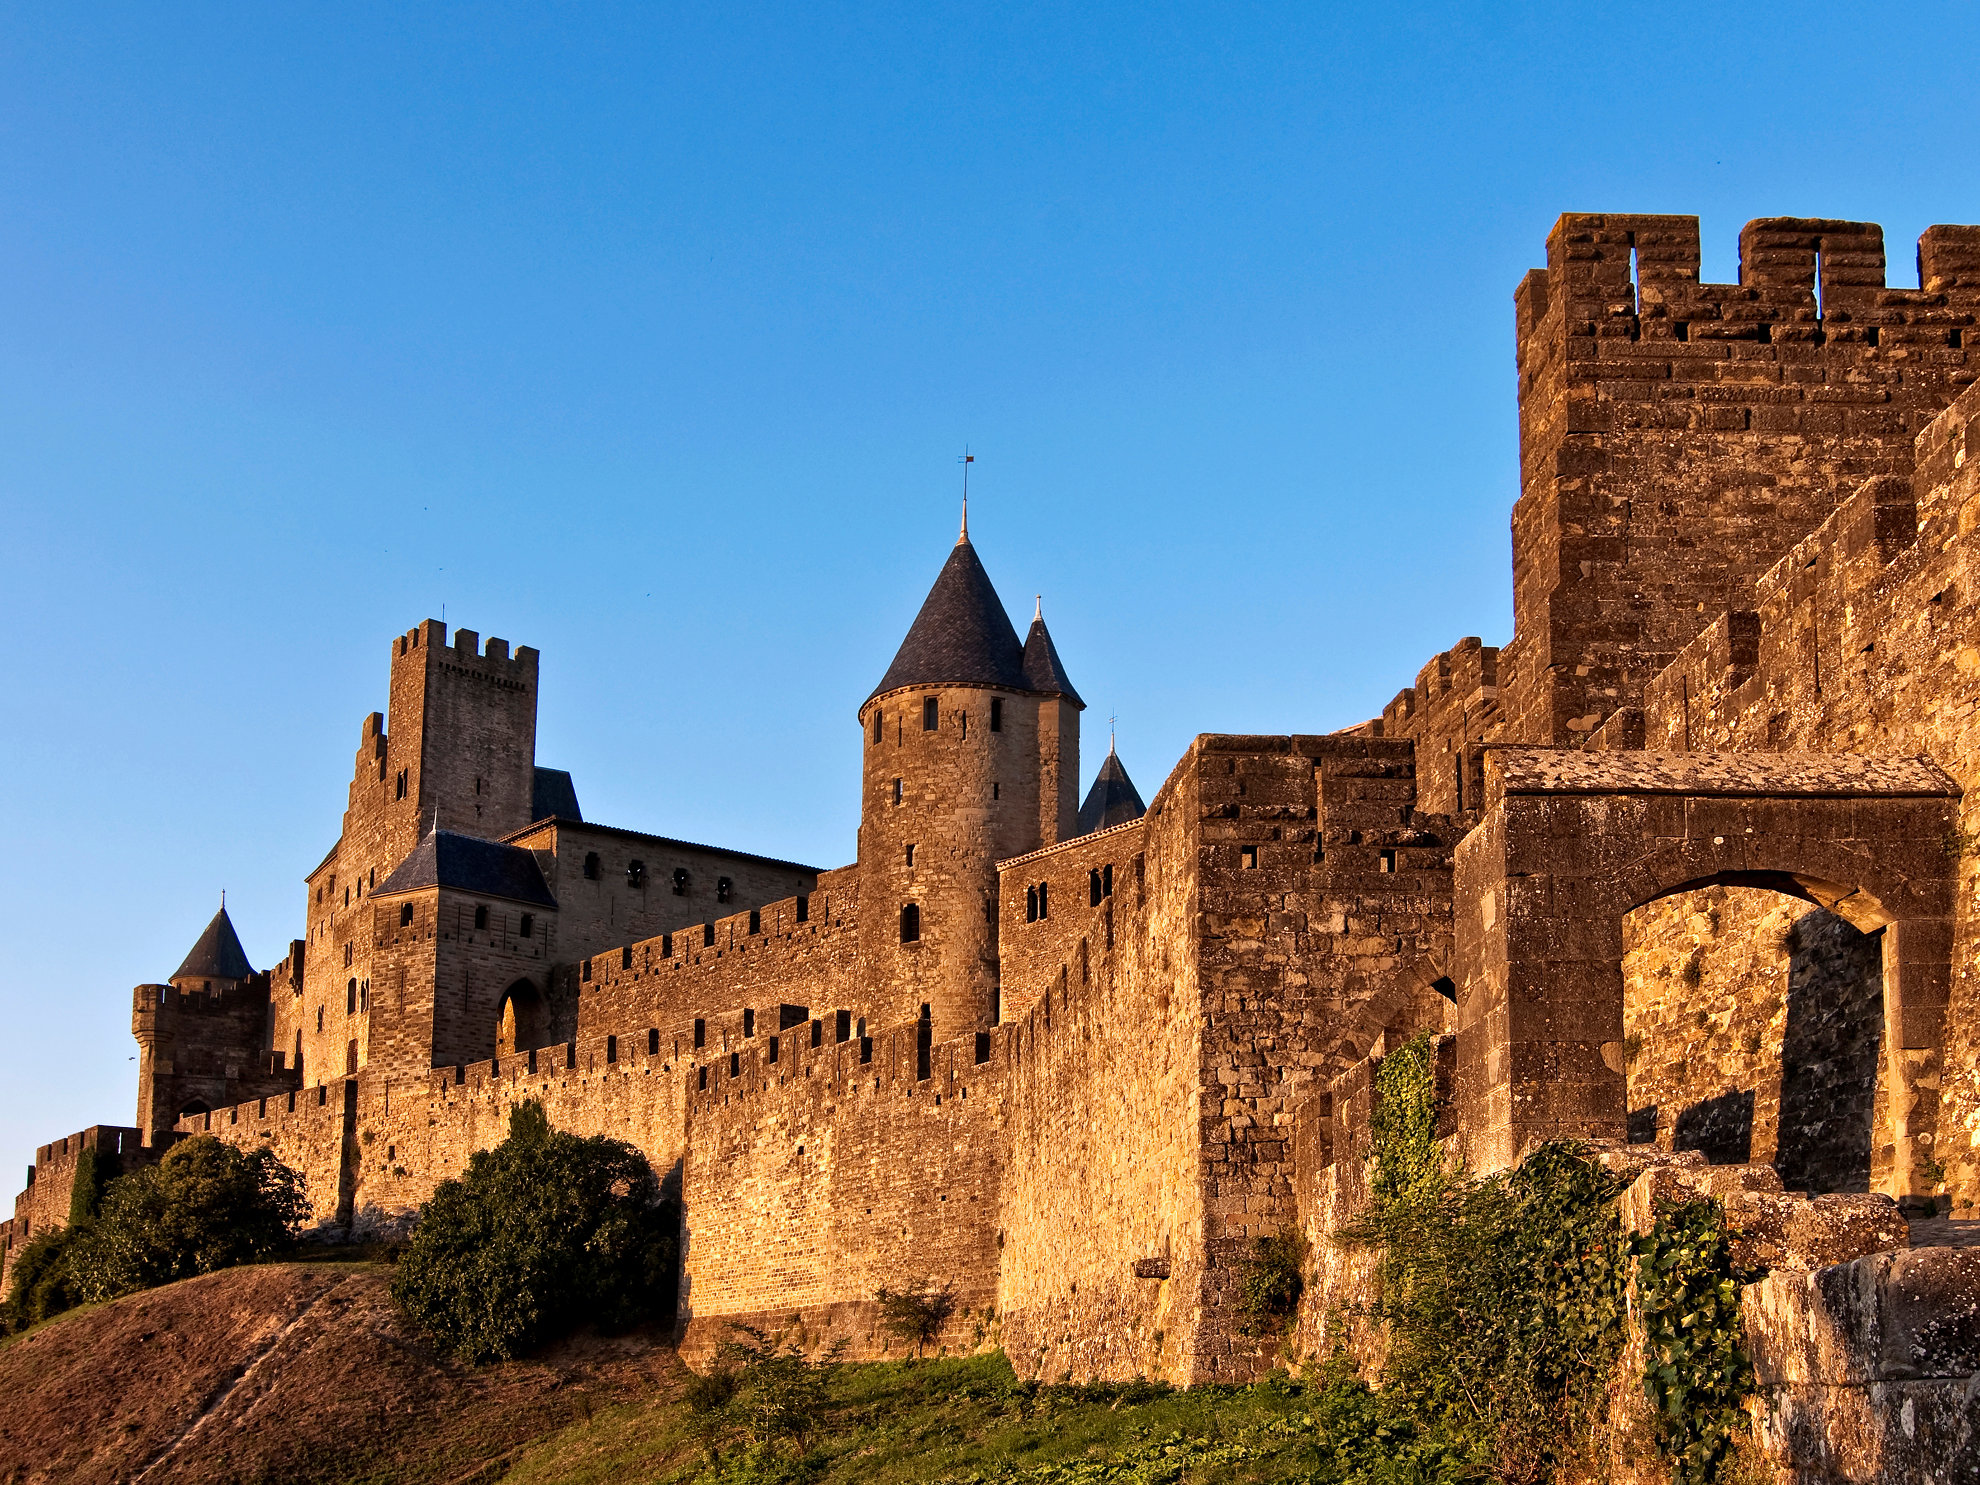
[963,1420]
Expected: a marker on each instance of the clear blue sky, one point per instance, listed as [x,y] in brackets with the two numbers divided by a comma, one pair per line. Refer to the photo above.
[649,336]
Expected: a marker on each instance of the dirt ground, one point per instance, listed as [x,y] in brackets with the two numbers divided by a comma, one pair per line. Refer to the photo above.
[286,1372]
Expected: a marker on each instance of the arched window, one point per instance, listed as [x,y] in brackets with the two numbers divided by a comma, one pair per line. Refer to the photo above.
[1031,904]
[350,998]
[911,923]
[481,916]
[591,866]
[1044,903]
[1093,887]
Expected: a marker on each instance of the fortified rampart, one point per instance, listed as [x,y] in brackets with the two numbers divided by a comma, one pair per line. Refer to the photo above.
[1685,870]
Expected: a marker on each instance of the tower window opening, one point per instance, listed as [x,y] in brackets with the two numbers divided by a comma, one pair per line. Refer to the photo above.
[405,915]
[964,718]
[756,920]
[724,889]
[996,714]
[701,1076]
[897,791]
[700,1032]
[680,881]
[817,1033]
[481,917]
[773,1048]
[879,722]
[1031,904]
[911,923]
[1044,903]
[527,926]
[1107,880]
[400,788]
[625,957]
[910,855]
[842,1022]
[477,788]
[708,935]
[803,908]
[653,1041]
[350,998]
[735,1064]
[349,948]
[611,1049]
[1388,861]
[350,1059]
[635,873]
[1093,887]
[666,946]
[930,714]
[1248,858]
[584,972]
[364,995]
[591,866]
[749,1021]
[996,791]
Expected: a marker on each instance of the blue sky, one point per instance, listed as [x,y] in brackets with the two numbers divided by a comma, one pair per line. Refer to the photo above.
[649,336]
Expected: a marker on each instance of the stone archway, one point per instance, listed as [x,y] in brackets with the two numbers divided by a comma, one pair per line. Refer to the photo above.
[1570,842]
[522,1021]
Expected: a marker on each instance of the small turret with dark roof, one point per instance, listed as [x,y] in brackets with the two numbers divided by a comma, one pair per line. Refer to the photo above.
[1042,670]
[1113,799]
[218,955]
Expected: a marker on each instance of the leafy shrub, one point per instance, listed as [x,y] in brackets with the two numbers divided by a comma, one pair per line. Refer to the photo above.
[1274,1279]
[1695,1370]
[780,1392]
[205,1206]
[543,1233]
[916,1314]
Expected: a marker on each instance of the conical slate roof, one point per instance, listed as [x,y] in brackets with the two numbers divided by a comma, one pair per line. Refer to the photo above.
[1113,799]
[962,636]
[1042,670]
[218,955]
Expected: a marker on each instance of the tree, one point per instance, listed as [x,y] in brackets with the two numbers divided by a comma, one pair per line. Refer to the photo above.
[543,1233]
[205,1206]
[916,1314]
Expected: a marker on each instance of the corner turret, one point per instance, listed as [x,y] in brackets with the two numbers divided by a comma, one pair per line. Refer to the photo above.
[1113,799]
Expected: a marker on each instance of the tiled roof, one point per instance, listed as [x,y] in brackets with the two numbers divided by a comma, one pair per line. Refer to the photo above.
[962,636]
[553,795]
[1042,670]
[1113,799]
[218,955]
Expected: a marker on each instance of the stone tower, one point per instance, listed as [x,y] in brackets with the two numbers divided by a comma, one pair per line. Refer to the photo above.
[971,755]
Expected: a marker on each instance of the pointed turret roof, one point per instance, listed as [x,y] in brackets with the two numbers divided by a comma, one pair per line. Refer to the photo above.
[962,636]
[218,955]
[1042,668]
[1113,799]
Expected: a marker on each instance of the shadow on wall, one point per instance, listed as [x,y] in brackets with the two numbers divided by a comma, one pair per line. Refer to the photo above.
[1830,1053]
[1720,1129]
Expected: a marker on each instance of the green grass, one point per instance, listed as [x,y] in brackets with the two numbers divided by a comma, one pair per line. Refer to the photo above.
[965,1420]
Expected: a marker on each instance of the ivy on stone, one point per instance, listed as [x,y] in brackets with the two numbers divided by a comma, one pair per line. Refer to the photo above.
[1696,1371]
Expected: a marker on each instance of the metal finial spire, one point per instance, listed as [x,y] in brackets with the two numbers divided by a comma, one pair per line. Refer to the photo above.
[1111,720]
[1038,609]
[966,459]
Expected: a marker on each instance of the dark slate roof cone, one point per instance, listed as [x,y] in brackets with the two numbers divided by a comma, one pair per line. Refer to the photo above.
[218,955]
[962,636]
[1043,670]
[1113,799]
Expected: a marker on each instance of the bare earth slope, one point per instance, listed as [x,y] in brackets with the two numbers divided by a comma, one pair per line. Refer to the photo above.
[286,1372]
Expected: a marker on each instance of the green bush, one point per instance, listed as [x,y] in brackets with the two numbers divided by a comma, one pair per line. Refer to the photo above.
[917,1313]
[1696,1372]
[1274,1279]
[543,1233]
[204,1206]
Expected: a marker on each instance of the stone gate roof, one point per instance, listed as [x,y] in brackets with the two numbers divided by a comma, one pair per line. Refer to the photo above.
[218,955]
[1527,770]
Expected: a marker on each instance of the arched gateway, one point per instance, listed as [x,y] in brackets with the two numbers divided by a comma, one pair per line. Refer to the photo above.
[1571,841]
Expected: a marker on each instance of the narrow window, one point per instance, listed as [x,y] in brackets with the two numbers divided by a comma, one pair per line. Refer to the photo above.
[319,1018]
[1248,858]
[348,949]
[982,1047]
[735,1064]
[996,714]
[773,1049]
[680,881]
[611,1049]
[724,889]
[350,1059]
[756,920]
[1031,904]
[911,923]
[527,926]
[749,1021]
[878,723]
[666,946]
[635,873]
[477,788]
[804,909]
[405,915]
[996,791]
[842,1026]
[481,917]
[910,855]
[625,957]
[701,1075]
[708,935]
[1093,887]
[1388,861]
[930,714]
[350,998]
[963,717]
[897,791]
[584,972]
[866,1050]
[591,866]
[817,1035]
[400,788]
[653,1041]
[1044,903]
[1107,880]
[700,1032]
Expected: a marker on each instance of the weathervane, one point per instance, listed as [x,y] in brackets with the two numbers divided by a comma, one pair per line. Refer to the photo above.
[966,458]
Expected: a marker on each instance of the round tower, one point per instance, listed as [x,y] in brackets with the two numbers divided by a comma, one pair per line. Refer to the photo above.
[971,755]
